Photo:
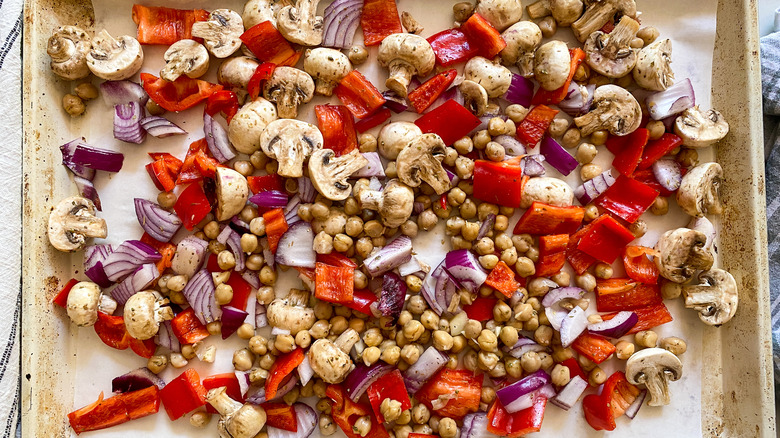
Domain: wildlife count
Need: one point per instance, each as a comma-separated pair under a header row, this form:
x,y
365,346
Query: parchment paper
x,y
690,25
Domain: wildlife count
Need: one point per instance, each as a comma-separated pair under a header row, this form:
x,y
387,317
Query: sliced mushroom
x,y
653,70
475,98
291,312
221,33
144,311
610,54
329,173
232,193
114,59
410,24
522,39
547,190
654,368
597,14
564,12
500,13
698,192
552,64
72,222
300,24
236,72
614,109
395,136
289,88
327,67
682,252
246,129
85,299
421,161
699,129
68,48
236,420
330,360
705,226
494,78
394,203
258,11
405,55
185,57
715,297
290,142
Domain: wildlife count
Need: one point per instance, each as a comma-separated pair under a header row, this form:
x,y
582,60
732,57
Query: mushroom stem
x,y
346,340
621,36
370,199
60,48
400,75
658,390
89,226
220,401
539,9
108,305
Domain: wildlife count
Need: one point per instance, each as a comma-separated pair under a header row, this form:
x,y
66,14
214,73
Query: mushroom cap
x,y
289,88
114,59
290,142
699,129
258,11
522,39
681,252
421,161
698,192
715,297
653,70
330,174
394,203
246,129
83,302
405,55
236,72
68,48
232,193
246,422
654,367
221,32
566,12
329,362
547,190
610,54
613,109
475,97
327,67
185,57
494,78
72,221
291,312
598,13
500,13
394,136
140,316
300,24
552,63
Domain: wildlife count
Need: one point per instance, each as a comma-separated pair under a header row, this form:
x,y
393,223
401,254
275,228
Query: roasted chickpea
x,y
548,26
589,171
603,271
243,359
598,138
357,55
586,282
674,345
462,12
558,127
516,112
571,138
648,34
656,129
73,105
597,376
646,338
586,152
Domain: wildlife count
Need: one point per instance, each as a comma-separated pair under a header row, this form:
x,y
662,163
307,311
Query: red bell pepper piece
x,y
161,176
649,317
61,299
481,308
336,259
379,20
552,254
334,284
241,291
656,149
452,46
373,120
229,381
638,266
275,227
262,74
423,96
548,219
555,97
180,94
281,416
501,422
464,384
268,44
390,386
192,206
115,410
628,150
616,396
498,182
337,127
627,198
174,164
225,102
483,35
574,368
189,171
617,294
282,367
183,394
187,328
345,412
647,178
359,94
502,279
166,249
578,260
165,26
605,239
531,130
144,349
450,120
265,183
361,301
111,330
594,347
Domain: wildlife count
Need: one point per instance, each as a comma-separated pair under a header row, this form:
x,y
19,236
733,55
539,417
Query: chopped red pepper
x,y
379,20
574,368
531,130
174,164
617,294
616,396
166,249
373,120
594,347
161,175
450,120
502,279
241,291
423,96
275,227
165,26
283,366
605,239
578,260
187,328
464,385
144,348
481,308
180,94
61,299
190,170
452,46
649,317
265,183
647,178
262,74
111,330
656,149
225,102
555,97
501,422
390,386
334,284
483,35
183,394
548,219
268,44
336,259
361,301
115,410
498,182
281,416
229,381
192,206
337,127
345,412
638,266
628,150
359,94
552,254
627,198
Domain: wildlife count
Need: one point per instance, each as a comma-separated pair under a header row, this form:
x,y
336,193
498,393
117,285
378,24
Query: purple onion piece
x,y
532,165
77,155
521,91
570,394
306,190
217,139
373,168
161,127
88,190
127,122
296,247
158,222
139,378
358,381
429,363
270,199
668,172
232,319
165,337
199,292
487,226
121,92
674,100
557,156
593,188
127,258
391,303
512,146
391,256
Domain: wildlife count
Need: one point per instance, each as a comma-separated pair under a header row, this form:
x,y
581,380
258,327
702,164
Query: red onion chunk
x,y
165,337
232,319
238,225
127,122
88,190
429,363
199,292
291,211
573,325
615,327
395,103
137,379
513,396
431,285
121,92
94,256
307,419
475,426
668,173
258,396
358,381
634,408
78,170
252,278
512,146
578,99
373,168
570,394
83,155
393,295
524,345
158,222
558,294
306,190
270,199
134,283
413,266
521,91
674,100
532,165
127,258
340,23
296,247
234,243
391,256
217,139
305,371
593,188
261,320
487,226
704,225
557,156
160,127
462,265
555,315
243,381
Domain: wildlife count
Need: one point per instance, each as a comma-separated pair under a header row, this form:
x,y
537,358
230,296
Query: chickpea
x,y
509,336
257,226
586,282
624,350
638,228
487,340
598,138
571,137
560,375
487,361
468,210
86,91
548,26
470,360
427,220
342,243
413,330
589,171
323,406
543,335
688,157
656,129
226,260
357,55
674,345
157,363
450,155
326,425
530,362
442,213
420,414
533,254
166,199
516,113
409,228
245,331
258,345
464,145
367,143
586,152
603,271
371,355
323,243
660,206
267,276
320,329
360,280
391,355
464,167
177,283
648,34
502,312
338,324
364,246
532,324
243,359
402,431
177,298
562,278
636,43
442,340
303,339
472,329
671,290
414,284
73,105
646,339
258,159
494,151
558,127
488,261
292,396
362,425
248,213
585,363
597,376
